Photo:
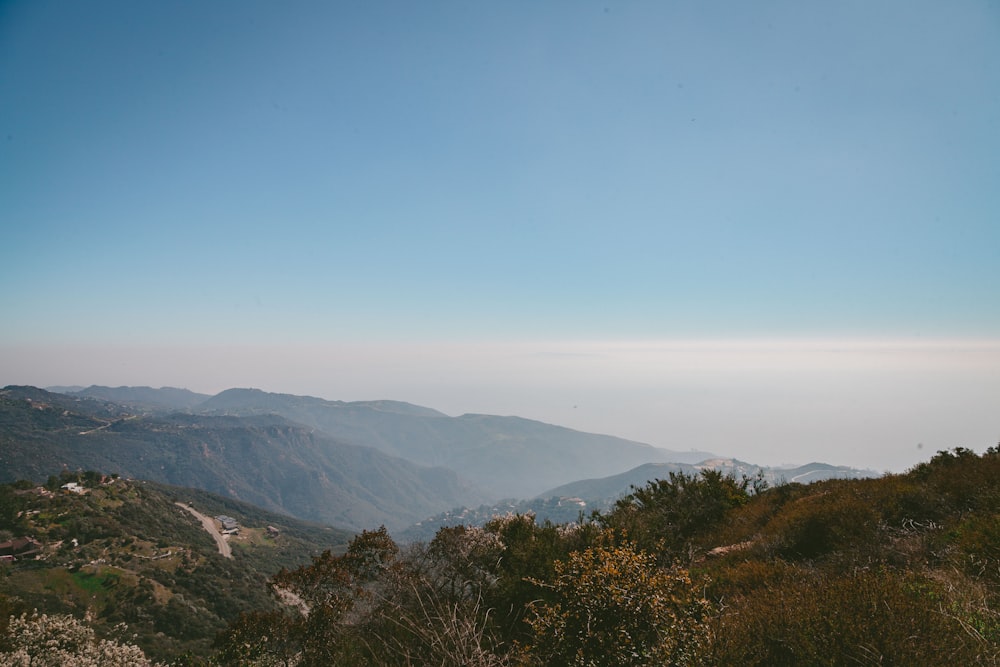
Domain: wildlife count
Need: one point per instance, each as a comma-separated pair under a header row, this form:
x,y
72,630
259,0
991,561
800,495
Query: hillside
x,y
264,459
900,569
694,569
122,551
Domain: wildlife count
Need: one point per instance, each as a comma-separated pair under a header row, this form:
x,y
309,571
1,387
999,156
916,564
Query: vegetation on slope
x,y
122,552
704,569
697,568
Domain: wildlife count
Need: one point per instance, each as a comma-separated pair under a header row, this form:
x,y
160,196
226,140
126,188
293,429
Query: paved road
x,y
209,524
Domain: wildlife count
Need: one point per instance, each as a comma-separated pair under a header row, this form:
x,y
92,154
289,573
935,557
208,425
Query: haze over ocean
x,y
770,230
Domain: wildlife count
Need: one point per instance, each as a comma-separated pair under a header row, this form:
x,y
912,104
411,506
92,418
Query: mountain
x,y
255,401
503,456
146,399
65,389
262,459
122,551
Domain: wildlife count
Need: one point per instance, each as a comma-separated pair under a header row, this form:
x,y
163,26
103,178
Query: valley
x,y
104,520
353,465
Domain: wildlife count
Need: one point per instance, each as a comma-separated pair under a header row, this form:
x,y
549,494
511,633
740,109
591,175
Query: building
x,y
19,548
229,524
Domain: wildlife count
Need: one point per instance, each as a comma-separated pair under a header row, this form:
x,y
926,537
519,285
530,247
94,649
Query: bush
x,y
824,524
63,641
866,617
614,606
663,516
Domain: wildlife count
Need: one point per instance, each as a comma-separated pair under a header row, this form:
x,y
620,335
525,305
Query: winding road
x,y
209,524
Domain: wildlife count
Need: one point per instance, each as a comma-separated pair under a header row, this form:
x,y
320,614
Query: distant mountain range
x,y
352,464
142,398
566,503
503,456
263,459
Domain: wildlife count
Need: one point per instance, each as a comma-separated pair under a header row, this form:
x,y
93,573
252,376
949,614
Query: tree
x,y
430,608
333,592
663,516
261,639
614,606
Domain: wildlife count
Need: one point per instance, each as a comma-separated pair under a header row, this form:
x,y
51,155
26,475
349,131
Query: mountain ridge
x,y
264,459
503,455
356,464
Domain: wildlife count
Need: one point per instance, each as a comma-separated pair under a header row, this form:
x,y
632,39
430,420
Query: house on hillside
x,y
19,548
73,487
229,524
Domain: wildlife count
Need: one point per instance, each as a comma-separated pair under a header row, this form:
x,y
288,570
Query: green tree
x,y
333,593
527,551
260,639
663,516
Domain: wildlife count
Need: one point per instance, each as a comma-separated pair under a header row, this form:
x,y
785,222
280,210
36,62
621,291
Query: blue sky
x,y
283,184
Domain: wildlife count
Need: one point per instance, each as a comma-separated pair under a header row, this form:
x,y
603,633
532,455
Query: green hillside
x,y
124,552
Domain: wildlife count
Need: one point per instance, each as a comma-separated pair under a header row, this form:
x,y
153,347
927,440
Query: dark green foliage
x,y
330,588
259,635
665,515
528,552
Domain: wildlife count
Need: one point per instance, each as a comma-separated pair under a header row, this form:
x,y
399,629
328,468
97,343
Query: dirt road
x,y
209,524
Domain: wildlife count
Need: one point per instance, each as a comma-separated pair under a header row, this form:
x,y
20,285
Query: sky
x,y
769,230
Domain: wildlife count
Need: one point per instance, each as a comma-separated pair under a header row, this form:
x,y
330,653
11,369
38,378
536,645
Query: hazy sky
x,y
769,229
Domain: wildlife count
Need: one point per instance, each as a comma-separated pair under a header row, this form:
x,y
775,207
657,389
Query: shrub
x,y
824,524
663,516
865,617
62,641
614,606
